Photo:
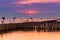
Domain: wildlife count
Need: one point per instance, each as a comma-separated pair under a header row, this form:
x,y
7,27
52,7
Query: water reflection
x,y
31,35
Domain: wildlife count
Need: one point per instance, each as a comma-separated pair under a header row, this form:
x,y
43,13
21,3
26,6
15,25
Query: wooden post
x,y
14,19
3,18
31,19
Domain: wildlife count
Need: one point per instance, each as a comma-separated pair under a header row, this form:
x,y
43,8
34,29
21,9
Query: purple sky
x,y
27,8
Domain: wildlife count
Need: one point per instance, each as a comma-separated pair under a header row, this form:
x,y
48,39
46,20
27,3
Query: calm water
x,y
18,35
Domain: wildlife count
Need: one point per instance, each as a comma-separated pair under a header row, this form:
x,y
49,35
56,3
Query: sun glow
x,y
31,12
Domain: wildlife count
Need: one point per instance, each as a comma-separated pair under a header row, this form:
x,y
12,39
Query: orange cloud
x,y
34,1
34,11
29,12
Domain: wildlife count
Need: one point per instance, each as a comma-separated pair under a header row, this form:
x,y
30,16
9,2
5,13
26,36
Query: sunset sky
x,y
28,8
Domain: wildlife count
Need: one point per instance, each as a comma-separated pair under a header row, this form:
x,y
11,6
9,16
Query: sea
x,y
30,35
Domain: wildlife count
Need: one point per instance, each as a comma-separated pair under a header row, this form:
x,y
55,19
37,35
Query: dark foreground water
x,y
33,35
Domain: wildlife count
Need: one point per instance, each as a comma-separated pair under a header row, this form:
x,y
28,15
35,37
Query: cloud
x,y
30,7
29,12
36,8
34,11
3,5
34,1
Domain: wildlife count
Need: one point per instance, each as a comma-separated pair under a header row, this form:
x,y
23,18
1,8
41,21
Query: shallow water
x,y
19,35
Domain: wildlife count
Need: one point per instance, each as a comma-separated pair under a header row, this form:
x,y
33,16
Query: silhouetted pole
x,y
14,19
31,19
3,18
27,20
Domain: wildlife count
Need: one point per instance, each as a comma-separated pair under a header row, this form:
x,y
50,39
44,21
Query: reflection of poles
x,y
14,19
3,18
35,28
